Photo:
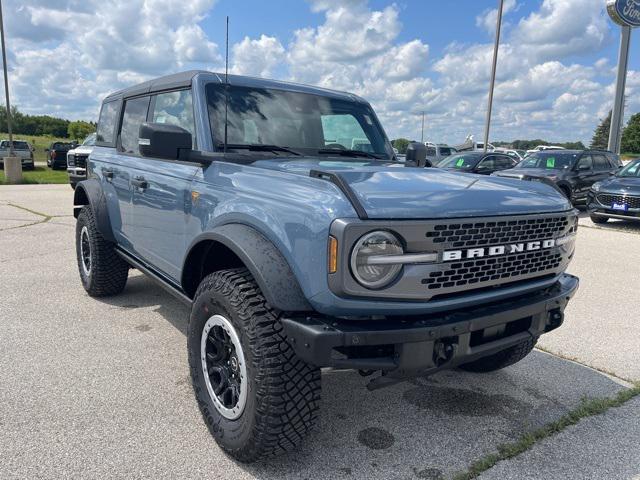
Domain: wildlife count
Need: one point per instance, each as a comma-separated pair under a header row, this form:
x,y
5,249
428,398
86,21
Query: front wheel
x,y
503,358
256,396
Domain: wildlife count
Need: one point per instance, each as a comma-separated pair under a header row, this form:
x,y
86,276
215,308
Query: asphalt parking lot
x,y
99,388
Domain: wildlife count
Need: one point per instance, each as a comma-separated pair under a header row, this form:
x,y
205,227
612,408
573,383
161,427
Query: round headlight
x,y
366,270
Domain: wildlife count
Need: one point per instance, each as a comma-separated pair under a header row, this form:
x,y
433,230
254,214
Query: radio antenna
x,y
226,87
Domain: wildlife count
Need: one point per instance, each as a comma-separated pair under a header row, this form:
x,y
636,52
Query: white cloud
x,y
487,20
257,57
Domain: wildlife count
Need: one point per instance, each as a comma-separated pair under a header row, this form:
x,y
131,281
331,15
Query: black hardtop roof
x,y
184,79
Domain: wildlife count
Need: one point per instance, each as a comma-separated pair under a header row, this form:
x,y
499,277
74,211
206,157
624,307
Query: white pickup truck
x,y
21,149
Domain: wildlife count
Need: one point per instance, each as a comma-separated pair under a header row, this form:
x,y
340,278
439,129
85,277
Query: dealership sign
x,y
624,12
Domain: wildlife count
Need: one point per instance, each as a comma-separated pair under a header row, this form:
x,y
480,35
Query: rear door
x,y
162,190
584,175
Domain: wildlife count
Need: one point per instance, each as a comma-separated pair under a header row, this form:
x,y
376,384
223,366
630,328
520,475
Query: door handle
x,y
139,182
107,173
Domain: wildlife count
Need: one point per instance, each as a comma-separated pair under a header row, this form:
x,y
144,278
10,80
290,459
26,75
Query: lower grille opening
x,y
493,288
490,334
365,351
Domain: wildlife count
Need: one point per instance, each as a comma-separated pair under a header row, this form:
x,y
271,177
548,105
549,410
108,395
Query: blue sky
x,y
555,72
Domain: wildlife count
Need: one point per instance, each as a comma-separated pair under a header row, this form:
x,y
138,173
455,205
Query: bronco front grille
x,y
608,200
483,270
497,232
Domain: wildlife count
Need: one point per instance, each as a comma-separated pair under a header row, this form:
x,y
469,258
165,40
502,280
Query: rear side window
x,y
600,163
135,113
175,108
107,123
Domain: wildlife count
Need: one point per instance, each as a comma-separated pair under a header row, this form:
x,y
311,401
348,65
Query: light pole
x,y
12,165
6,82
493,75
625,13
422,130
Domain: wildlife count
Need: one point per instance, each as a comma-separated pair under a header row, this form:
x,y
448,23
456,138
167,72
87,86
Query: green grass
x,y
40,175
629,156
587,408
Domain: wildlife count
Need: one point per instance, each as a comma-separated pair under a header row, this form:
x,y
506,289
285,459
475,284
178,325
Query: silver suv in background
x,y
77,160
21,149
436,152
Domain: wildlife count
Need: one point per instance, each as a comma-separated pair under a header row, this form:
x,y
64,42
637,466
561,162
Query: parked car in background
x,y
617,196
478,162
21,149
542,148
77,160
57,154
438,151
572,171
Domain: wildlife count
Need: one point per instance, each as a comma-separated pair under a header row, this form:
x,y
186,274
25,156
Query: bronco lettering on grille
x,y
497,250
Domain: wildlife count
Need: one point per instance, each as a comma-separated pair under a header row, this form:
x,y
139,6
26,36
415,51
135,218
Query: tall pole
x,y
617,115
493,75
422,131
6,82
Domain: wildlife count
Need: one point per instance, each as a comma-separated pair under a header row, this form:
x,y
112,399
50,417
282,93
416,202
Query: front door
x,y
162,192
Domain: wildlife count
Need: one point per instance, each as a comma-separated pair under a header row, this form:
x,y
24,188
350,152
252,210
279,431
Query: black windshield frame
x,y
300,119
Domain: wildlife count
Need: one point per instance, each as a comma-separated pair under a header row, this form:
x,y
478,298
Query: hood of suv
x,y
394,191
531,173
621,185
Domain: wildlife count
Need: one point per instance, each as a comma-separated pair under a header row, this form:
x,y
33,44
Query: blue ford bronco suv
x,y
278,213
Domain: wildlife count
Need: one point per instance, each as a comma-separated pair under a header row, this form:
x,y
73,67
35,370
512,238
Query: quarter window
x,y
107,122
135,113
175,108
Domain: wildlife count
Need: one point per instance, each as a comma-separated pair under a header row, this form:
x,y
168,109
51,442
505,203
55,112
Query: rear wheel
x,y
256,396
598,219
102,271
501,359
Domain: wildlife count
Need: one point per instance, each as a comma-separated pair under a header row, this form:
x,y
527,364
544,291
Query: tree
x,y
631,135
600,138
80,129
401,144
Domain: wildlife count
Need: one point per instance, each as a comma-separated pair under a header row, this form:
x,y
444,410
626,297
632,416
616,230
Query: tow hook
x,y
443,351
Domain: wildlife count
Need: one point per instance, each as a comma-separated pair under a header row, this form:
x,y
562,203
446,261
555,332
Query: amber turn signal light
x,y
332,256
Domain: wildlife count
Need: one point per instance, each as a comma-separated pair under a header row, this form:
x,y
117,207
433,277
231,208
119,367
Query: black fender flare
x,y
268,266
90,192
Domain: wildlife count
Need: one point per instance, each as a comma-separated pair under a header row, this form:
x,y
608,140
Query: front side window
x,y
301,121
175,108
585,163
107,122
135,113
503,163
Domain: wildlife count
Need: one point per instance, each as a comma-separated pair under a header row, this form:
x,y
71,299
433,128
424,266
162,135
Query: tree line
x,y
630,142
24,124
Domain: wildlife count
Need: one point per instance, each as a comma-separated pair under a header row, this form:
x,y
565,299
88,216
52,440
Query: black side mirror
x,y
417,155
162,140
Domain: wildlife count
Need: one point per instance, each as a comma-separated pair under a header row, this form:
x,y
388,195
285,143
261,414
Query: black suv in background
x,y
478,162
572,171
57,154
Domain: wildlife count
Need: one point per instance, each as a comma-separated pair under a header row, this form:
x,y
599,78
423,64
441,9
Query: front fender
x,y
265,262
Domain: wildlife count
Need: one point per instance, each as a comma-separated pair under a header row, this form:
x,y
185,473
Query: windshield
x,y
549,160
17,145
631,170
90,141
299,121
460,161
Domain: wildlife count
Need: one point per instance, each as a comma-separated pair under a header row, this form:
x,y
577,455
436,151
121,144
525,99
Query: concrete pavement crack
x,y
45,217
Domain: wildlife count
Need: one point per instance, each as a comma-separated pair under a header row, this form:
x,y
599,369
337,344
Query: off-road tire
x,y
108,272
283,398
501,359
598,219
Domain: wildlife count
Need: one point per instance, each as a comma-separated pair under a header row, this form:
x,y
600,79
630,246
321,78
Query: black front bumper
x,y
405,345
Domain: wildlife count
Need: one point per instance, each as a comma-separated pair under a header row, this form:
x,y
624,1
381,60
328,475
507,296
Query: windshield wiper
x,y
257,147
347,153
